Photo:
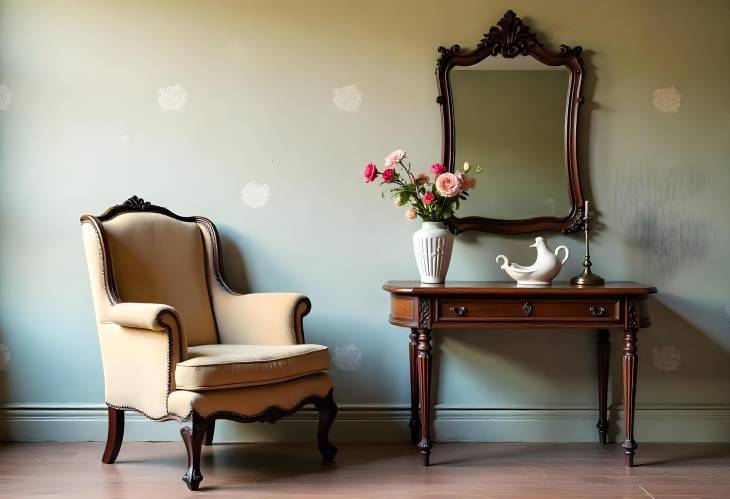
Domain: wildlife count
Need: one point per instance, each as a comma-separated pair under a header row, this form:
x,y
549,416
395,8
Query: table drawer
x,y
542,309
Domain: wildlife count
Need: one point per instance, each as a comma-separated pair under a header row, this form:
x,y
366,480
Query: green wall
x,y
84,129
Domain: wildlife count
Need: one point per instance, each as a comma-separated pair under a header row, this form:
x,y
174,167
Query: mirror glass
x,y
509,119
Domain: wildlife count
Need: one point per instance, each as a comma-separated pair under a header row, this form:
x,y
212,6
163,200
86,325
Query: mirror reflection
x,y
509,119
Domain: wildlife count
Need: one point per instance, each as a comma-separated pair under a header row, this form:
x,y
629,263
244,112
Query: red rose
x,y
388,174
438,168
371,172
428,198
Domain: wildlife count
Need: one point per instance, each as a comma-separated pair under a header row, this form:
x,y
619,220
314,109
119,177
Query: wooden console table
x,y
502,305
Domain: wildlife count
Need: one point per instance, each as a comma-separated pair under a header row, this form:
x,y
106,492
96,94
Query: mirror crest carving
x,y
511,38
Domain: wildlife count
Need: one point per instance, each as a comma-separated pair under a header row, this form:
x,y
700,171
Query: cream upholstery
x,y
215,367
273,318
249,401
158,259
174,337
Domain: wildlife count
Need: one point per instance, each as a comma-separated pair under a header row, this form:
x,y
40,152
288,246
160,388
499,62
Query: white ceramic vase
x,y
432,245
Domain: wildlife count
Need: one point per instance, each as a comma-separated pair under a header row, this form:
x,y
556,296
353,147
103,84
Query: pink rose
x,y
428,198
411,214
438,168
396,201
388,174
370,173
447,184
394,158
421,178
466,182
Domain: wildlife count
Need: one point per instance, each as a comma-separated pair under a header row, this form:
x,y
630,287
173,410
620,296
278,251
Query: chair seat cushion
x,y
216,367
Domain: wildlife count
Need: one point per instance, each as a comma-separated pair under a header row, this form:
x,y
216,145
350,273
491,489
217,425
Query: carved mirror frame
x,y
511,38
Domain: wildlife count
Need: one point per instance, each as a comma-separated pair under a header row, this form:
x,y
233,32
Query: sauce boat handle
x,y
567,253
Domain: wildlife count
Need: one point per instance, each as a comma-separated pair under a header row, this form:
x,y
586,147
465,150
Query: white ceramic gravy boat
x,y
547,266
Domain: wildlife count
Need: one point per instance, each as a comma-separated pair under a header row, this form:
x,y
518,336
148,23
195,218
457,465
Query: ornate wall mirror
x,y
511,107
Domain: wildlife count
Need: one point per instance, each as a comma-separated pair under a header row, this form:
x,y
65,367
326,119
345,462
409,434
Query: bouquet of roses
x,y
433,199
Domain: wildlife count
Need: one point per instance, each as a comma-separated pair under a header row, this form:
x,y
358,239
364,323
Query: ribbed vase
x,y
432,245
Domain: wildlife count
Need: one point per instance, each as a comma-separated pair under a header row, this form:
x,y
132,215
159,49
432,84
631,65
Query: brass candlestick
x,y
587,278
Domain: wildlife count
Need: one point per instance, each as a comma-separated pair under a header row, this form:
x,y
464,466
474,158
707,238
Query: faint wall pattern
x,y
649,211
6,97
347,357
667,100
172,97
666,357
4,357
347,98
255,194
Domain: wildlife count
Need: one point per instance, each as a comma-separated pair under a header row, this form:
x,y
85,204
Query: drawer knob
x,y
598,311
527,309
458,311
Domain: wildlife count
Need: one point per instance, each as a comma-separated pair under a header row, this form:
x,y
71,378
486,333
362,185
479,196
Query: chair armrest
x,y
140,315
262,318
141,344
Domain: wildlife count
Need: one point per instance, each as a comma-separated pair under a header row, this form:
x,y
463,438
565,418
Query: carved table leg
x,y
415,423
327,413
115,435
424,390
603,348
209,432
630,364
193,433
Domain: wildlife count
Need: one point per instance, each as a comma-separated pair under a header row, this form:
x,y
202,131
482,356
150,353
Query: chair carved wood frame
x,y
195,429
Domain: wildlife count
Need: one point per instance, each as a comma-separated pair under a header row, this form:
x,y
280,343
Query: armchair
x,y
178,344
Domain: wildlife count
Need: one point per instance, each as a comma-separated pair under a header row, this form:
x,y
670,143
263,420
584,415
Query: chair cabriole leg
x,y
193,434
115,435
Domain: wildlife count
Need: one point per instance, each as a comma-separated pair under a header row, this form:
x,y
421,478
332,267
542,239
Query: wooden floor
x,y
368,470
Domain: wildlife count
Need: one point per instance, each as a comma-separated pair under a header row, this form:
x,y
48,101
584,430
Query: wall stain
x,y
647,202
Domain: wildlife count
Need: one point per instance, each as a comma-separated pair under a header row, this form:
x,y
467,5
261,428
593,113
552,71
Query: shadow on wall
x,y
233,263
677,362
534,367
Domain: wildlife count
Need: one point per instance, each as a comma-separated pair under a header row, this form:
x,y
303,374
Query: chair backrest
x,y
158,257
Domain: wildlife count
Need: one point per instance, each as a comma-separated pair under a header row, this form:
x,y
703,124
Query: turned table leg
x,y
603,348
424,390
415,423
630,363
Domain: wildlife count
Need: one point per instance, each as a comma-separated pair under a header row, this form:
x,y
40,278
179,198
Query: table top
x,y
511,288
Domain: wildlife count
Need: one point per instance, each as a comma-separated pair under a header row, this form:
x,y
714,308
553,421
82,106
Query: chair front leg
x,y
327,413
193,434
114,436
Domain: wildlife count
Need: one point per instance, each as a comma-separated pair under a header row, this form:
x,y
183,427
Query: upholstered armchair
x,y
178,344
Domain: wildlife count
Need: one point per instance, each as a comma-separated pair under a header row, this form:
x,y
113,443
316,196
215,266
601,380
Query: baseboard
x,y
386,423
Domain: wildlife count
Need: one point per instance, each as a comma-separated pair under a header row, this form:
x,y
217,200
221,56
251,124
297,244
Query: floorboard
x,y
368,470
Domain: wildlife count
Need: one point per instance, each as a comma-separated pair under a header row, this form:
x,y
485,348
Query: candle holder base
x,y
587,278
